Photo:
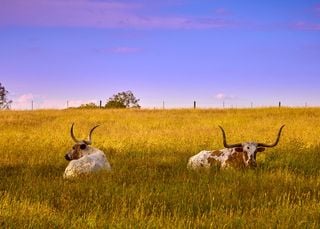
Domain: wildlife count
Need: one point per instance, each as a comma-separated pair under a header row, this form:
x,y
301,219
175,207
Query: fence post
x,y
279,104
194,104
100,105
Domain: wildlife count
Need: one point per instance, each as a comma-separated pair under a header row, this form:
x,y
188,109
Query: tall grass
x,y
150,186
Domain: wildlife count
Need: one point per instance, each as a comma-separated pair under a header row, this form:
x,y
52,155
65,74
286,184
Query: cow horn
x,y
72,135
276,142
225,140
89,141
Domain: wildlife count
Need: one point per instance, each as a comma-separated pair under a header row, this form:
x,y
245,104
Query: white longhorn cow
x,y
84,158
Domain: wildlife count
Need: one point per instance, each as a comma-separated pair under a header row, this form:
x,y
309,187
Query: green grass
x,y
150,186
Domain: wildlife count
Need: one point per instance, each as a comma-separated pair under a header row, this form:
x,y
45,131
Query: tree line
x,y
125,99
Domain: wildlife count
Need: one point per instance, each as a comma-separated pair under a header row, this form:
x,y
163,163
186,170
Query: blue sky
x,y
175,51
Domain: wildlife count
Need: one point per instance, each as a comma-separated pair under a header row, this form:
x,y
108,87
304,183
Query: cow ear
x,y
261,149
238,149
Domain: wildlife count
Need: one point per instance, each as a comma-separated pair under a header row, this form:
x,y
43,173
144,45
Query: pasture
x,y
150,186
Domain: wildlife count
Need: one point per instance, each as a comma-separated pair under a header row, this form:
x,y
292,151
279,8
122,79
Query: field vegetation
x,y
150,186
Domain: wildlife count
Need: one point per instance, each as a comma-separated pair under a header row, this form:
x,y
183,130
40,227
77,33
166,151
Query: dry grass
x,y
150,186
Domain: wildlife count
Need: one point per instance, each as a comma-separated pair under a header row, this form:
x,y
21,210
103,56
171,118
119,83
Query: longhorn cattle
x,y
84,158
240,155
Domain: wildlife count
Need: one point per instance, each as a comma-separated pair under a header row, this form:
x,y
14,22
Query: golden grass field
x,y
150,186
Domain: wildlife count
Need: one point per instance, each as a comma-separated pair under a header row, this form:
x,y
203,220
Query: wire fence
x,y
68,104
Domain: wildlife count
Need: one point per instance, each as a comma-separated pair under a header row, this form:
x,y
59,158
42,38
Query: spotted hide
x,y
241,155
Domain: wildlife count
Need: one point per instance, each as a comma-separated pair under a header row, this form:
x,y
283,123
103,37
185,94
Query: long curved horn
x,y
72,134
89,141
225,140
276,142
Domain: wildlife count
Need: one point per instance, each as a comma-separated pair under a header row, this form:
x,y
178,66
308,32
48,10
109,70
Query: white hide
x,y
93,162
201,160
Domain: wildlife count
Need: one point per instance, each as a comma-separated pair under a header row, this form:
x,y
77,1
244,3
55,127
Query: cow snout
x,y
67,157
252,164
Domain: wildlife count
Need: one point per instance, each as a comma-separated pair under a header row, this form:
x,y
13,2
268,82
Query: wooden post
x,y
100,105
279,104
194,104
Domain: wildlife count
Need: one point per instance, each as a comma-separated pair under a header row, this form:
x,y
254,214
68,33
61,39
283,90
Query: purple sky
x,y
175,51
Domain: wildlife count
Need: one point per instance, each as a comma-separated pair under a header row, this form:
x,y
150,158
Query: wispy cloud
x,y
26,101
221,11
223,96
22,101
118,50
97,14
302,25
125,50
308,25
316,9
25,98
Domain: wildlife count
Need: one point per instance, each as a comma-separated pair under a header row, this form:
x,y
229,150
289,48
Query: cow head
x,y
81,147
249,150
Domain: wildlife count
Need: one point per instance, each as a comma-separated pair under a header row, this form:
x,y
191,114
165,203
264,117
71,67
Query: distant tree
x,y
88,105
114,104
124,99
4,102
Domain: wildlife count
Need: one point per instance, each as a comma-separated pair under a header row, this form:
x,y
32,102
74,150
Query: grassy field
x,y
150,186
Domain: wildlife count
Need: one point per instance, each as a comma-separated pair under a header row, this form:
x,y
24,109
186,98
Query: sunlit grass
x,y
150,185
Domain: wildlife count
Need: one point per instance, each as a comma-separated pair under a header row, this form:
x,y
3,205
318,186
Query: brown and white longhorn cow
x,y
241,155
84,158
